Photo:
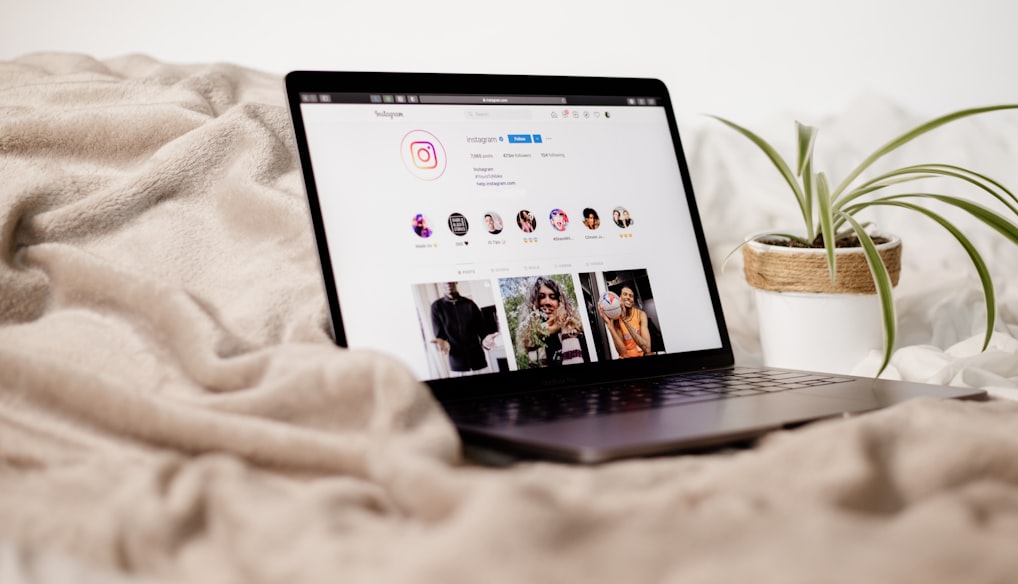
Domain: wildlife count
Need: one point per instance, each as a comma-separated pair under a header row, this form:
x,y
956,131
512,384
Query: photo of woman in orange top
x,y
629,331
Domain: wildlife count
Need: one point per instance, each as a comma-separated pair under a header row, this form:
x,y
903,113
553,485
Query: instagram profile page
x,y
418,200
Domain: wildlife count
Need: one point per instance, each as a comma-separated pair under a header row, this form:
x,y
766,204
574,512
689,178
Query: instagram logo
x,y
423,155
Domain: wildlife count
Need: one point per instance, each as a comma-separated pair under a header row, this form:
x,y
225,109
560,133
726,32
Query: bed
x,y
172,408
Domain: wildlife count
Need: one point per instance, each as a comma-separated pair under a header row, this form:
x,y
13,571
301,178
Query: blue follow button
x,y
525,139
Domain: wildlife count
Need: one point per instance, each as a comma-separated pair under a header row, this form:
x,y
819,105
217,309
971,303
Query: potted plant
x,y
842,246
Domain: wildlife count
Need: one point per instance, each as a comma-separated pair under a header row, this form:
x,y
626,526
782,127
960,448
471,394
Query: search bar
x,y
498,114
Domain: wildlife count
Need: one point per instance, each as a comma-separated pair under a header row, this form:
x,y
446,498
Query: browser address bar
x,y
494,99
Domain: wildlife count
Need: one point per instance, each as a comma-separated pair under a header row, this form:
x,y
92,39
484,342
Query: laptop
x,y
530,247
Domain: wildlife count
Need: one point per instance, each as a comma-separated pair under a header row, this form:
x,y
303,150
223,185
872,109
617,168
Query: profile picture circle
x,y
620,215
591,220
493,222
423,154
558,219
526,221
458,224
421,226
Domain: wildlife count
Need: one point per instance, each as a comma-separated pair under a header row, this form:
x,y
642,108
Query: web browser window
x,y
477,234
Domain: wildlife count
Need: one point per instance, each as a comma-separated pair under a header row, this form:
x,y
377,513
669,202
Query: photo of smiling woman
x,y
547,329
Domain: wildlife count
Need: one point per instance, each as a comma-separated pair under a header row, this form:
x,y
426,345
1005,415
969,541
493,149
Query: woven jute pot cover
x,y
780,268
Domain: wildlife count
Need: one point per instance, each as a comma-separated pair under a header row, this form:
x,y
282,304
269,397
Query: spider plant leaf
x,y
882,282
991,218
847,232
827,223
989,181
730,255
878,183
974,255
923,171
775,159
983,182
911,135
809,193
911,172
807,136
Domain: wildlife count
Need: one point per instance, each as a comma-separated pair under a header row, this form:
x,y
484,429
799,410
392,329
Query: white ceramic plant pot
x,y
805,321
817,331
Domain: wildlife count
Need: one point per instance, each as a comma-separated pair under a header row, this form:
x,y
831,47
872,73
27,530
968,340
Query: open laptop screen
x,y
477,233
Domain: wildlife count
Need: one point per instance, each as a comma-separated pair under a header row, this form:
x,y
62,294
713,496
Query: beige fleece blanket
x,y
172,409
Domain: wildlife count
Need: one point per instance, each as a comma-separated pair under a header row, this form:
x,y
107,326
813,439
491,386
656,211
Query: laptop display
x,y
477,233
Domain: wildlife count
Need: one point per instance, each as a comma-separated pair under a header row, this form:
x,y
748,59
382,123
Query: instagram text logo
x,y
423,155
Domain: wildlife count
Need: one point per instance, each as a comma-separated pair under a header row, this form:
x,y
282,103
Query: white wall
x,y
739,58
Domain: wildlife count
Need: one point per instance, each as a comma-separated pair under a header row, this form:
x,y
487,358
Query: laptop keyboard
x,y
644,394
